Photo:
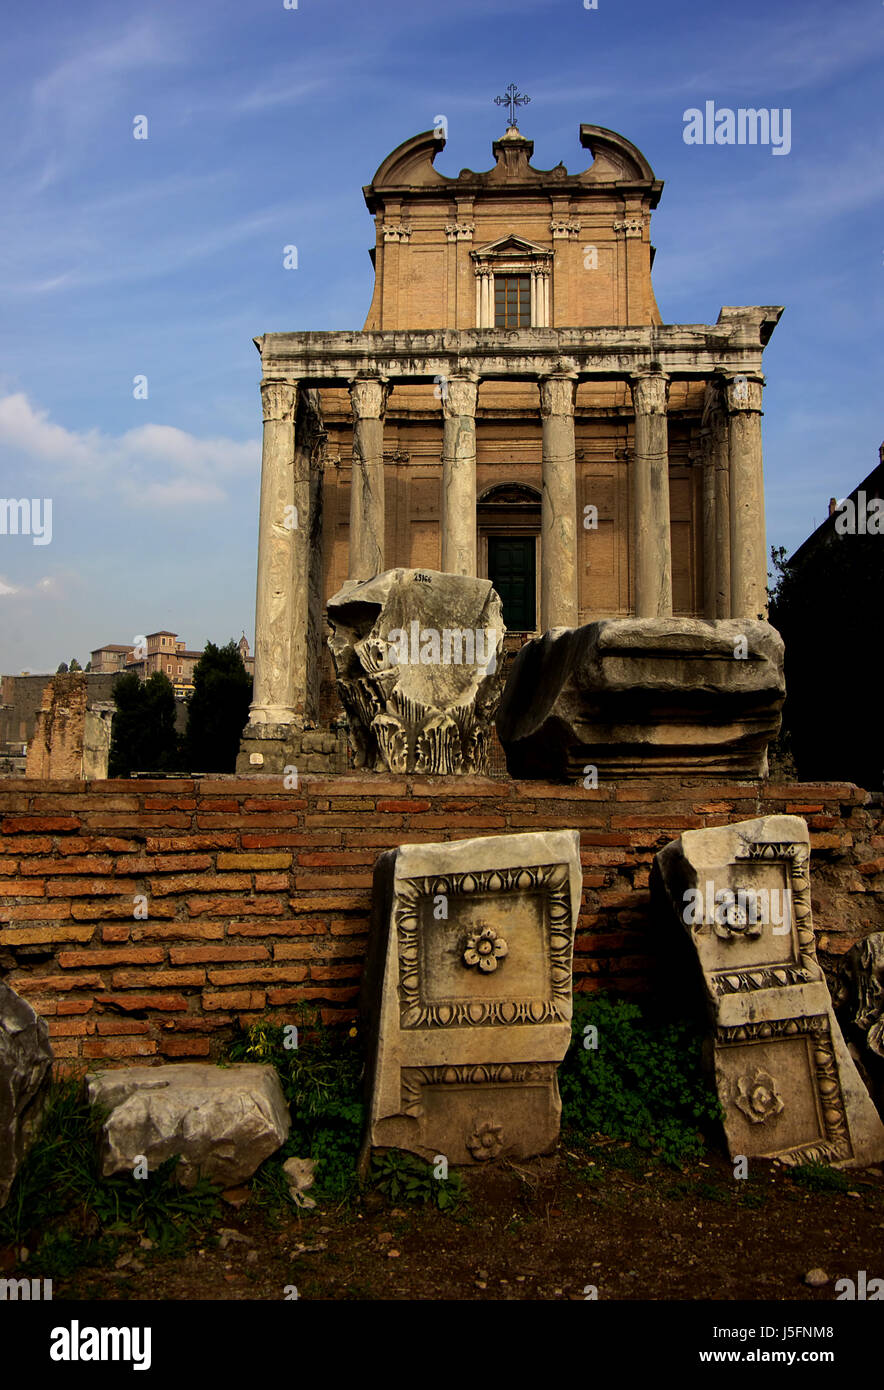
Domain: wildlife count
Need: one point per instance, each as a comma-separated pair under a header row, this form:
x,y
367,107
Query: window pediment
x,y
511,248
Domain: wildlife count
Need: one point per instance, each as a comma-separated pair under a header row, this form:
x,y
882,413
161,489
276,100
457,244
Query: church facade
x,y
513,408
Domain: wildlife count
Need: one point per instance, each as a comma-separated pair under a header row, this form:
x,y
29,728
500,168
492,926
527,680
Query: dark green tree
x,y
61,669
143,737
75,665
217,710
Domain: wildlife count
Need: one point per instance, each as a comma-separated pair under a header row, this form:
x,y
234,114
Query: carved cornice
x,y
564,229
629,227
460,231
396,231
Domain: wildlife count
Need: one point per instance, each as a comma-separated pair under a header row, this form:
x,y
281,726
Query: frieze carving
x,y
630,226
414,1079
396,231
796,858
564,228
816,1027
550,880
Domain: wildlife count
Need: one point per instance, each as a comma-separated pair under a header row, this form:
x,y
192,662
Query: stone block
x,y
467,995
223,1121
25,1060
860,1000
417,658
785,1078
638,697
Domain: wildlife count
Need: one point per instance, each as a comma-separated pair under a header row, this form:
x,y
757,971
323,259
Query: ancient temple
x,y
513,409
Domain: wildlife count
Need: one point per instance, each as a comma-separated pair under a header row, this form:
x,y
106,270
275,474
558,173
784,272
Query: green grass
x,y
643,1082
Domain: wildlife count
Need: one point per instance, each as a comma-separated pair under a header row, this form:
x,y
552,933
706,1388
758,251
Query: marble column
x,y
653,546
710,556
558,541
459,396
747,538
282,532
721,464
368,397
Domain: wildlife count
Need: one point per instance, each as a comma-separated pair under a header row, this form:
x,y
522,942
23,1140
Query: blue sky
x,y
164,257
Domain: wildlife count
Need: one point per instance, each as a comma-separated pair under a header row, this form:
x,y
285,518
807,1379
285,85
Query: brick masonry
x,y
258,898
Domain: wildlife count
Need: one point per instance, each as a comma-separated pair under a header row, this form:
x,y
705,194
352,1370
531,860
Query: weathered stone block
x,y
644,696
223,1121
467,994
25,1060
786,1081
417,659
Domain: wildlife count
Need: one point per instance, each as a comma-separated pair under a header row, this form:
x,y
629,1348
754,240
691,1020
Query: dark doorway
x,y
511,569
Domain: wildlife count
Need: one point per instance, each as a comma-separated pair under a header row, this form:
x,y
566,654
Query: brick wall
x,y
258,898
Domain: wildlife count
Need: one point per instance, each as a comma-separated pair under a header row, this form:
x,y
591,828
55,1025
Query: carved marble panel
x,y
467,994
787,1084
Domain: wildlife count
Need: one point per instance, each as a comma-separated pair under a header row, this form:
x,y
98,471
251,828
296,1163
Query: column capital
x,y
743,392
459,395
557,393
279,400
368,397
650,391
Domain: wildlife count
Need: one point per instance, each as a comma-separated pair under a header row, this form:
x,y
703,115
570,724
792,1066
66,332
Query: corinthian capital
x,y
649,393
459,396
368,397
557,395
279,400
743,393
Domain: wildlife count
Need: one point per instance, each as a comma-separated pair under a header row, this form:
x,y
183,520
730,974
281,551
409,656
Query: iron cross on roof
x,y
512,99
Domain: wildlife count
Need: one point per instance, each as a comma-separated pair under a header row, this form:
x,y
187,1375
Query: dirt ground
x,y
611,1218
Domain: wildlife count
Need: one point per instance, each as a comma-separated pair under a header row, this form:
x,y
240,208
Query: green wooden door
x,y
511,569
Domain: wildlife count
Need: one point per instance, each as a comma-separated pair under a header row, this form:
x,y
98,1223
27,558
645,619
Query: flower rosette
x,y
484,949
757,1097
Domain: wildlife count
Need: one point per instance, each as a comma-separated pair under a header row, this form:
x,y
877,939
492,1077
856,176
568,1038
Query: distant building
x,y
852,517
162,652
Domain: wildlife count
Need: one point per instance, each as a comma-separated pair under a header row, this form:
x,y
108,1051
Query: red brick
x,y
115,931
32,844
278,927
163,844
140,1003
261,907
335,880
254,861
291,839
90,887
56,824
119,1047
22,888
170,803
289,996
409,807
70,1027
166,931
116,1027
72,864
47,984
334,972
33,936
73,1006
147,955
248,821
37,911
332,859
98,844
65,1047
283,802
154,820
201,883
120,907
167,863
156,979
234,999
257,974
303,950
185,1047
872,866
189,955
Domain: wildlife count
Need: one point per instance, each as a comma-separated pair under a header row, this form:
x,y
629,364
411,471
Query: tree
x,y
143,736
61,669
75,665
88,667
217,710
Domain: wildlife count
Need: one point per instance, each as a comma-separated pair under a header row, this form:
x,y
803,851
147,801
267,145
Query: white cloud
x,y
151,465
